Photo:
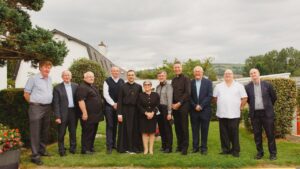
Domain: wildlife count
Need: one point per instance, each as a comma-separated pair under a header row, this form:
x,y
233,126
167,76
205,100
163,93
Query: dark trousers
x,y
88,135
199,126
39,123
260,121
181,122
165,128
229,134
111,119
71,124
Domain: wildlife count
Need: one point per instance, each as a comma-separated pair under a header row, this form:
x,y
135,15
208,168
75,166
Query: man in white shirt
x,y
231,97
111,88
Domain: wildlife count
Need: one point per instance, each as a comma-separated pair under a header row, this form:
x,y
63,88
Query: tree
x,y
188,67
19,41
286,60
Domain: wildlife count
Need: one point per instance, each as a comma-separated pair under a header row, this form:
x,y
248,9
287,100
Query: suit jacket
x,y
204,99
268,96
60,101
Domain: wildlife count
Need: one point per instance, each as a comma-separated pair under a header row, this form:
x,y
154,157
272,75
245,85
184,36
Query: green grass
x,y
288,155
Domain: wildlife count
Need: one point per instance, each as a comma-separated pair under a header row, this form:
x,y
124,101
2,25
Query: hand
x,y
169,117
151,114
58,121
84,117
176,106
198,108
120,118
115,106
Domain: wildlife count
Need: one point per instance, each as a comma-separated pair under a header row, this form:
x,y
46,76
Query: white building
x,y
77,49
3,77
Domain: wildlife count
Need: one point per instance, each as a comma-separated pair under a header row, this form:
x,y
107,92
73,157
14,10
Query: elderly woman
x,y
147,104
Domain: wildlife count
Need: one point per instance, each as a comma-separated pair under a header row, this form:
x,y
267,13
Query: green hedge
x,y
13,113
284,107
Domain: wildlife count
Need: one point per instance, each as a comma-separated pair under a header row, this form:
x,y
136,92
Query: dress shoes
x,y
259,156
167,150
37,161
203,152
224,153
273,157
62,154
87,152
195,151
236,154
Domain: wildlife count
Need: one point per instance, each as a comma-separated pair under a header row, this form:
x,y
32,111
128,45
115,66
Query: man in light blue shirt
x,y
38,92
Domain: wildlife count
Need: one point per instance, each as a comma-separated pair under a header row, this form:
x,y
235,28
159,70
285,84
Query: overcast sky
x,y
141,33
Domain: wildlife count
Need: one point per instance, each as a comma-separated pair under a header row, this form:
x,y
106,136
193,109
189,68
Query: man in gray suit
x,y
38,92
65,110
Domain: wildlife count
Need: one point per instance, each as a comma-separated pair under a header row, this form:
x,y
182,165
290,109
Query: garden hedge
x,y
14,114
284,106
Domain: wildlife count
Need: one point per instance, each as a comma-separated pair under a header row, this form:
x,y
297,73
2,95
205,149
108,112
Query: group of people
x,y
133,112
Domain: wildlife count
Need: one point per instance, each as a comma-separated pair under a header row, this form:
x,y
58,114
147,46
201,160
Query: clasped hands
x,y
149,115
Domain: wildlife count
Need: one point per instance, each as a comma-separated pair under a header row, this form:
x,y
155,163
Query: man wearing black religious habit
x,y
129,135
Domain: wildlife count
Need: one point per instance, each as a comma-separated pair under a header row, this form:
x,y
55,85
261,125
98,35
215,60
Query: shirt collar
x,y
67,84
115,79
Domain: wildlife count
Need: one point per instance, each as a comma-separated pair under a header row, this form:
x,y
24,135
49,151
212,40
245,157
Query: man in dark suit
x,y
261,99
201,95
66,111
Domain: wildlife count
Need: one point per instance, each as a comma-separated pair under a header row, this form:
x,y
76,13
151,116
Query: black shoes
x,y
259,156
224,153
72,151
167,150
195,151
62,154
236,154
273,157
37,161
87,152
178,149
203,152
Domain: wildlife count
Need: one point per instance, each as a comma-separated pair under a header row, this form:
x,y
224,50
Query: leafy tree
x,y
286,60
188,67
19,41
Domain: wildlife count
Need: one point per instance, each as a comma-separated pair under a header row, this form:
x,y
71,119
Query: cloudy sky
x,y
141,33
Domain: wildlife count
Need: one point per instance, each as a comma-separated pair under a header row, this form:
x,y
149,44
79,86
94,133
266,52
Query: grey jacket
x,y
166,95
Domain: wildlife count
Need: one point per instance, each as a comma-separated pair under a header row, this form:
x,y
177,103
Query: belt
x,y
39,104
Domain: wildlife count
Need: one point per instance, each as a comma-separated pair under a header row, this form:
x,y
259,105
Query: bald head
x,y
255,75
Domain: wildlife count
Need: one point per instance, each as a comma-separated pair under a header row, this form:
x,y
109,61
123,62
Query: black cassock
x,y
129,135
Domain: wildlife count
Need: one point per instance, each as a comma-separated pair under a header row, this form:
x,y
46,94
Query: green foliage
x,y
284,106
298,97
13,113
286,60
221,67
188,67
38,42
19,41
81,66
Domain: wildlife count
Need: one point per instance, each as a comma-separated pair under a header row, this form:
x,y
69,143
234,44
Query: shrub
x,y
13,113
79,67
284,106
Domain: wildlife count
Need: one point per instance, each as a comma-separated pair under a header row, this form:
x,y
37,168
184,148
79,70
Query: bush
x,y
284,106
13,113
79,67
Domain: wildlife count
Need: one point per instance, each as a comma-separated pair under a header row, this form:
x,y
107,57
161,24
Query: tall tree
x,y
19,41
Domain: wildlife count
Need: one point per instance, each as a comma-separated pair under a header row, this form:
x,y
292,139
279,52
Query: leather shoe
x,y
273,157
62,154
204,152
224,153
236,154
45,154
259,156
184,152
37,161
195,151
168,150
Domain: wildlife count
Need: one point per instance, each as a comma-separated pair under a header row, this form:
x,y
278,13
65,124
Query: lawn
x,y
288,155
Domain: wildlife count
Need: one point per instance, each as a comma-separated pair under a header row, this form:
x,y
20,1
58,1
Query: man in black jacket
x,y
181,97
261,99
66,112
201,95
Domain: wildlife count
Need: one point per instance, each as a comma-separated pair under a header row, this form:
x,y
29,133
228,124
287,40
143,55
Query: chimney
x,y
102,48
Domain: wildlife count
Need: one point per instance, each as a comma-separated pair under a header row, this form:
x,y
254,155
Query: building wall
x,y
3,78
76,51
